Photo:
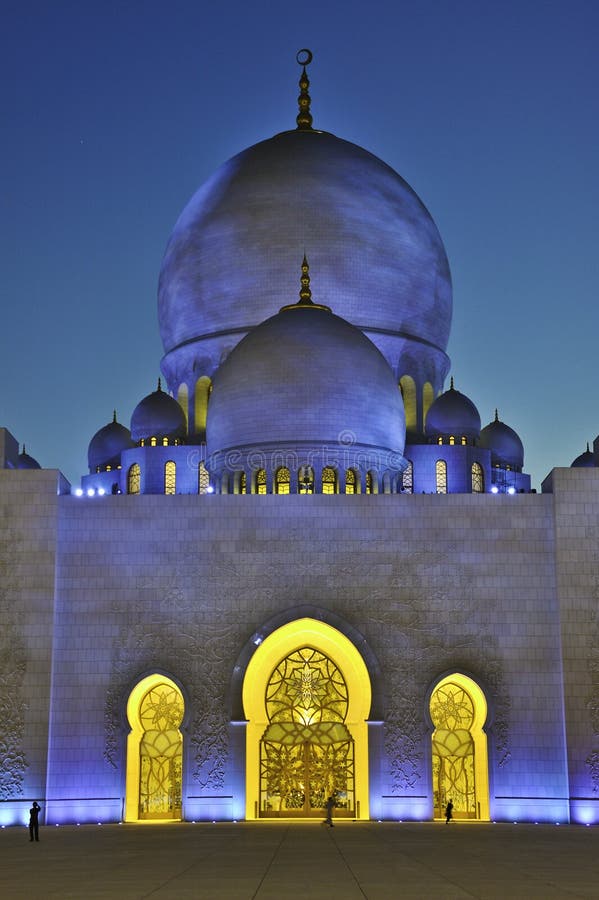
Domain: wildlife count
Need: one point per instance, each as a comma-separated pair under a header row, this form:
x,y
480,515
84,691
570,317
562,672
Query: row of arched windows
x,y
170,478
306,482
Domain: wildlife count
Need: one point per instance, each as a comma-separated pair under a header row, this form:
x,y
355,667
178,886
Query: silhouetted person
x,y
33,821
330,807
448,812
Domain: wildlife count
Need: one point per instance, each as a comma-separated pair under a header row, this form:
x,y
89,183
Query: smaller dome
x,y
107,444
453,414
27,462
586,460
503,442
158,416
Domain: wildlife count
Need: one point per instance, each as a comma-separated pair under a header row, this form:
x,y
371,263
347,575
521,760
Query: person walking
x,y
448,812
330,807
34,830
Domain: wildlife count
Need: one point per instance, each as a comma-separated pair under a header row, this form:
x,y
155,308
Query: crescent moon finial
x,y
304,117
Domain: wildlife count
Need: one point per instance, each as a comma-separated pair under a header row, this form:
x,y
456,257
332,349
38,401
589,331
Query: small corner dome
x,y
158,416
503,442
452,413
107,444
306,378
27,462
586,460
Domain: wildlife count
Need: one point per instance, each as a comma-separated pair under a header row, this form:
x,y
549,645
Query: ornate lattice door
x,y
307,752
452,712
160,713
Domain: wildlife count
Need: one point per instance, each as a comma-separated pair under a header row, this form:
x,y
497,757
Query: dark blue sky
x,y
114,113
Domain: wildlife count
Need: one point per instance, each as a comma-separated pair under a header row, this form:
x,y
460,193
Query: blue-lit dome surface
x,y
27,462
586,460
503,442
158,415
306,378
452,413
107,444
233,253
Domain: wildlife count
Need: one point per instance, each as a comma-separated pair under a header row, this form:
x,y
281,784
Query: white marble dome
x,y
233,253
309,382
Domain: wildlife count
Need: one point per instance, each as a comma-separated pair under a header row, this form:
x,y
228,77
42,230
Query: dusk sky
x,y
115,112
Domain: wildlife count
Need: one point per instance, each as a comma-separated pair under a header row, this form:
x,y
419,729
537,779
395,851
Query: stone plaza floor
x,y
277,860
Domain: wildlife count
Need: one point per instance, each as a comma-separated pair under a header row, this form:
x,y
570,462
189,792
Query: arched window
x,y
451,440
201,396
242,483
203,478
282,480
183,400
478,479
153,442
350,482
260,481
428,395
408,392
305,480
329,480
464,440
441,475
407,479
369,483
170,477
439,440
134,479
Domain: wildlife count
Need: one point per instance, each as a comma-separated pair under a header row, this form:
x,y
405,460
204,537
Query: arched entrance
x,y
458,710
306,697
154,750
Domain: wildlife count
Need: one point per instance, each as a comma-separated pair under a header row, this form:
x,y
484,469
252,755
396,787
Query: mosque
x,y
306,568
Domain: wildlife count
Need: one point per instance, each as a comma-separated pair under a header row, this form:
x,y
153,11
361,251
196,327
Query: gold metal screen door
x,y
452,712
307,752
160,713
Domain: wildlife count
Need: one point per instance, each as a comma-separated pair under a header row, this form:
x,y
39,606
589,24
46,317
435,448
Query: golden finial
x,y
305,292
304,118
305,300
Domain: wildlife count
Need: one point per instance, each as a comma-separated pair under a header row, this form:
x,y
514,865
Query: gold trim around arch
x,y
331,642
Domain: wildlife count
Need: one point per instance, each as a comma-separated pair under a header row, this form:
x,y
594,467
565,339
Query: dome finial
x,y
305,292
304,118
114,416
451,387
159,384
496,415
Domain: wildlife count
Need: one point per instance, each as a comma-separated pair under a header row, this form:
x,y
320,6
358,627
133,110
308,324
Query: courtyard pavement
x,y
278,860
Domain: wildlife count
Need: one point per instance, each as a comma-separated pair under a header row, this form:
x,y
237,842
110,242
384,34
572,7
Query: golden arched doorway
x,y
306,752
458,710
154,750
306,697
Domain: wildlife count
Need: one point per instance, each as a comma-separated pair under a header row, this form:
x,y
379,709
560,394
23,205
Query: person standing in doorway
x,y
34,829
448,812
330,807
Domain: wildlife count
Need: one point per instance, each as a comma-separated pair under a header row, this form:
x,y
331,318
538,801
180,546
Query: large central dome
x,y
232,255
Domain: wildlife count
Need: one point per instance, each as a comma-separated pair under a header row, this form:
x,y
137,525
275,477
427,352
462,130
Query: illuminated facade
x,y
305,568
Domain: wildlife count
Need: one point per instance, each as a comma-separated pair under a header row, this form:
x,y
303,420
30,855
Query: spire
x,y
159,388
114,416
305,292
451,387
496,416
304,117
305,300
